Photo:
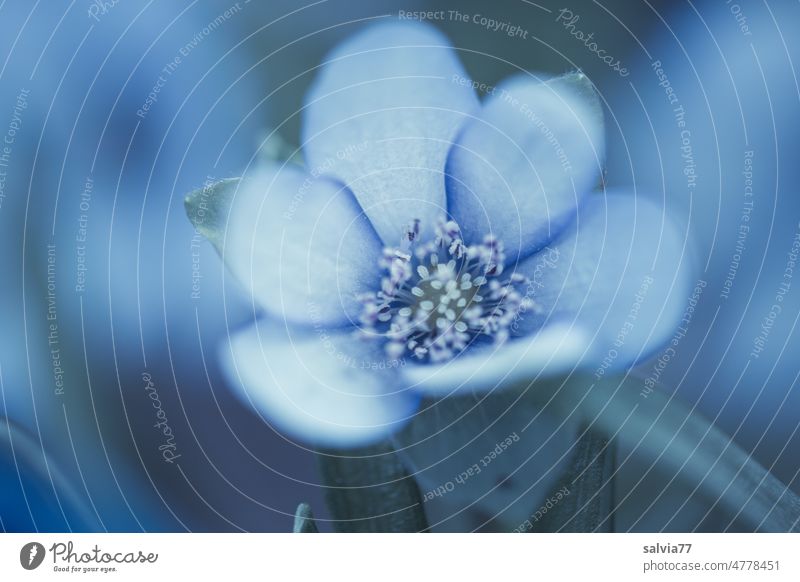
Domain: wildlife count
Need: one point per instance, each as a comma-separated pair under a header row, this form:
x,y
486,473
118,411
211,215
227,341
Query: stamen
x,y
433,312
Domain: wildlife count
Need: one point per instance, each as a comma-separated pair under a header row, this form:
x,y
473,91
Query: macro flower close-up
x,y
429,266
435,241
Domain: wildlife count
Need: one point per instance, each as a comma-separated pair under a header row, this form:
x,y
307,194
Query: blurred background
x,y
110,302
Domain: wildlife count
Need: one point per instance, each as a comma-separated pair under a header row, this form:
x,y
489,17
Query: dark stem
x,y
369,490
588,505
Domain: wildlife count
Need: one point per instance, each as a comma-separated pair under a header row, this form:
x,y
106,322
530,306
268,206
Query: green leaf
x,y
583,86
304,520
369,490
208,208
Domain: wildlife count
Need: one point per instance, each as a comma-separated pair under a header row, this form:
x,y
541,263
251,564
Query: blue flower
x,y
435,243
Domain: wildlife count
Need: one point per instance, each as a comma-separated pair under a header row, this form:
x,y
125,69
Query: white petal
x,y
382,115
621,272
554,349
321,387
302,246
520,168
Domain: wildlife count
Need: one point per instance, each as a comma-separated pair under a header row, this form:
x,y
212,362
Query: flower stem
x,y
588,505
369,490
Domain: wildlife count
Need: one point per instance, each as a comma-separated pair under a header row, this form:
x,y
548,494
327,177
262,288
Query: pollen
x,y
438,297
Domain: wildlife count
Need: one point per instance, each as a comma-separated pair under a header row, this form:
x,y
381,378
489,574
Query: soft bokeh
x,y
109,131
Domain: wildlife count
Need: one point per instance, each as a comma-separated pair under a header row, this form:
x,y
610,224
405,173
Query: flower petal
x,y
520,168
381,117
301,245
621,272
321,387
554,349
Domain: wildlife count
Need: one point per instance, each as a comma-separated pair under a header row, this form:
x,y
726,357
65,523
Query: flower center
x,y
438,297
